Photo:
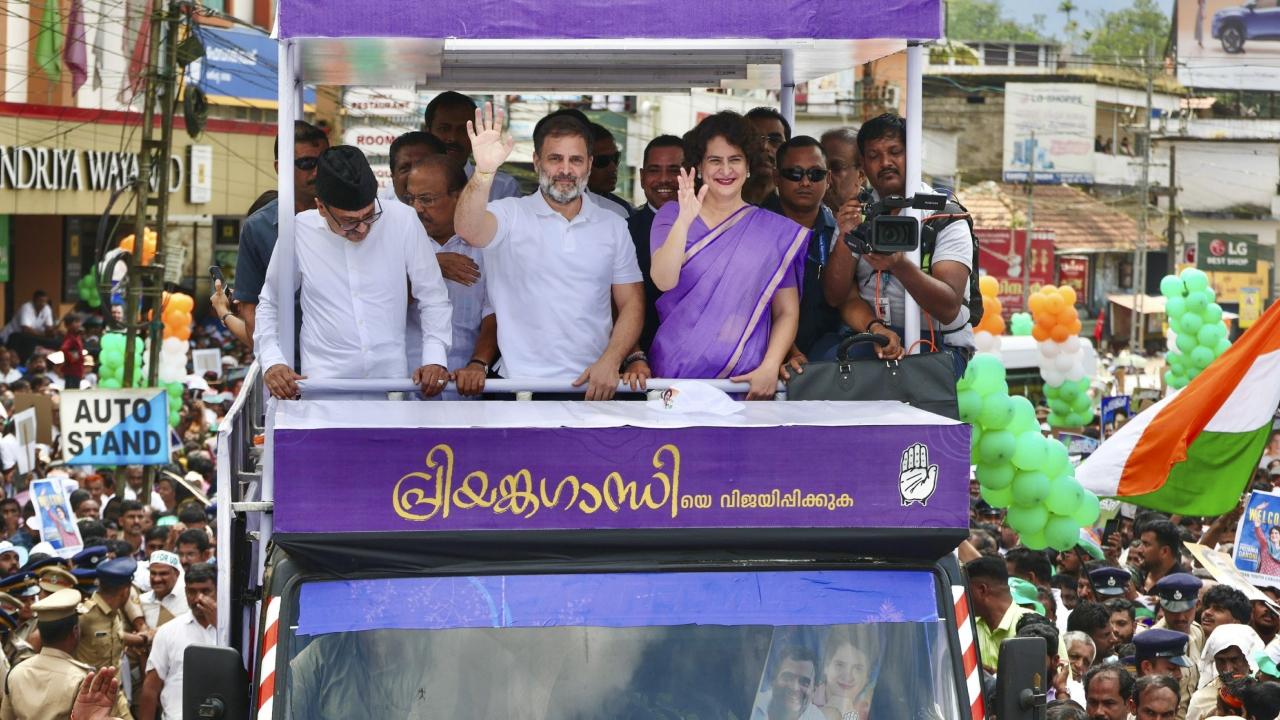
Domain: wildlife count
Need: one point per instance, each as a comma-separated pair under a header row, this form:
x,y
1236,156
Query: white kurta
x,y
354,298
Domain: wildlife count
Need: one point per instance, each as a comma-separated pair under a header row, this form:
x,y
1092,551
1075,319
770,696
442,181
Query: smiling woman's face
x,y
724,168
846,672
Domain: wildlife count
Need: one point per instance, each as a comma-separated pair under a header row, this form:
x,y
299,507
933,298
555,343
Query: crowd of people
x,y
1134,626
104,626
732,268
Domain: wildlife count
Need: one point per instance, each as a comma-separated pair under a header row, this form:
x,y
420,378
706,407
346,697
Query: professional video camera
x,y
883,232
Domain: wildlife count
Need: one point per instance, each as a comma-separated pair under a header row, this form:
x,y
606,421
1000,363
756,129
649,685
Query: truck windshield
x,y
800,645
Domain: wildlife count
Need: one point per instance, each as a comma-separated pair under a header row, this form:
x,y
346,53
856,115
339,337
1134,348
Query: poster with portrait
x,y
55,521
205,361
813,672
1257,544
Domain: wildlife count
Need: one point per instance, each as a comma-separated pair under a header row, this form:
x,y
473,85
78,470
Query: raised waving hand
x,y
490,147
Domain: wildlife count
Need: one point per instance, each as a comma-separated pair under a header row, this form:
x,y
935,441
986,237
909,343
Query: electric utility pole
x,y
1144,199
1031,223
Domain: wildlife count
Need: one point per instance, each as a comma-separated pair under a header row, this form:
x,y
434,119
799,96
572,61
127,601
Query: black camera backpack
x,y
929,241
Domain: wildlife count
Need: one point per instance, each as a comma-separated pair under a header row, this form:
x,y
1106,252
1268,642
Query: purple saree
x,y
715,323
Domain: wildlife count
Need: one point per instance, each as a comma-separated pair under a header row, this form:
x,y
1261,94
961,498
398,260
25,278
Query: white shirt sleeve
x,y
46,318
27,316
955,243
434,309
504,211
626,269
158,659
266,333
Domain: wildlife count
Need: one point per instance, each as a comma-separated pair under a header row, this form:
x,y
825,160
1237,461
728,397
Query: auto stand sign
x,y
115,427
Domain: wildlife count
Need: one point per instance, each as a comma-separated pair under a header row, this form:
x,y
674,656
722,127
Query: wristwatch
x,y
477,361
874,322
223,318
637,356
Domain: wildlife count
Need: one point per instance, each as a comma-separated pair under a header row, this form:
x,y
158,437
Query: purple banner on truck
x,y
337,480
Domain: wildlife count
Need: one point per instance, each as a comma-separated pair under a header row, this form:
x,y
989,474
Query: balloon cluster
x,y
111,362
1195,321
87,289
174,350
1020,324
148,246
1019,468
1062,356
986,334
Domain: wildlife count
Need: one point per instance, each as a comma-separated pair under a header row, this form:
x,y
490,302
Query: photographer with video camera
x,y
878,235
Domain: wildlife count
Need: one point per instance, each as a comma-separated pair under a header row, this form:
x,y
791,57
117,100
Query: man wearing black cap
x,y
103,635
347,253
1161,652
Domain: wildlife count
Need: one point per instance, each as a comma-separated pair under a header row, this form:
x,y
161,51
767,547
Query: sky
x,y
1025,10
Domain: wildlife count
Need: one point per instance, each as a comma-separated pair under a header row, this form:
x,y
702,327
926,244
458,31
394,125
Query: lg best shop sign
x,y
1221,252
115,427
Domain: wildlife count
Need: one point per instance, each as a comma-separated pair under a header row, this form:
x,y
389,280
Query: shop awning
x,y
1151,304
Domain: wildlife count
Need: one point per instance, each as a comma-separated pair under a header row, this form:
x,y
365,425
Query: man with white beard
x,y
557,261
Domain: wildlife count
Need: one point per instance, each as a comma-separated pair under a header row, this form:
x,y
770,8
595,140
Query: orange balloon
x,y
1040,333
1075,327
182,302
988,286
1068,294
1060,333
1067,315
1053,304
999,325
1037,303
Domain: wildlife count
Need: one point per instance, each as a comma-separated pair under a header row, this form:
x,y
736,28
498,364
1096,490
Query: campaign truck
x,y
561,560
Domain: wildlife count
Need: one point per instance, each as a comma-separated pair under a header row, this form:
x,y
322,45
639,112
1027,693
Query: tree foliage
x,y
1126,34
984,20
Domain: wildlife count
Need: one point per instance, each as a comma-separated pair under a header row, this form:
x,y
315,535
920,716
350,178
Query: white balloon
x,y
1071,344
1049,348
173,344
985,342
1075,374
1053,376
1065,362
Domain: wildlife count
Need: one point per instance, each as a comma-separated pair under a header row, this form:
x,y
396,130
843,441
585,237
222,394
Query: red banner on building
x,y
1073,271
1001,256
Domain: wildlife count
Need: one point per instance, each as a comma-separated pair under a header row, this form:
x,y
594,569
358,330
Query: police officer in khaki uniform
x,y
15,650
54,578
21,589
103,634
45,687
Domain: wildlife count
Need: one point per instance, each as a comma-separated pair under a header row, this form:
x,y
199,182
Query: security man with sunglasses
x,y
801,178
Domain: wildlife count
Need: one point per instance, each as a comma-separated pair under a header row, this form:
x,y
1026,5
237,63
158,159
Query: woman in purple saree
x,y
730,272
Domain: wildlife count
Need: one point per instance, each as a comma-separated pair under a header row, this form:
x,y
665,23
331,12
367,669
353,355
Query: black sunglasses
x,y
601,162
306,163
796,174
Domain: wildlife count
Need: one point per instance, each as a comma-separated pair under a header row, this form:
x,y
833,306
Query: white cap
x,y
164,557
43,547
21,552
57,358
691,396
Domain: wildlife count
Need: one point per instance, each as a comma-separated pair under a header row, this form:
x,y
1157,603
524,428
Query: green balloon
x,y
1209,335
1030,488
1061,532
113,341
1081,419
1060,407
1063,496
1212,313
1027,519
1030,451
1196,303
1035,541
970,403
988,373
175,418
1174,380
174,389
1001,498
1174,307
997,447
997,477
1171,286
109,358
1223,346
1086,513
1058,420
109,384
1190,324
1194,279
1175,360
1057,460
1081,403
997,412
1024,416
975,439
1201,357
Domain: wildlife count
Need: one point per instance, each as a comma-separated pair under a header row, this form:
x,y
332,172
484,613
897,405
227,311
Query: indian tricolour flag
x,y
1193,452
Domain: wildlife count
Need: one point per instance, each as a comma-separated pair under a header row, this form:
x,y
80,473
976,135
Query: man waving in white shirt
x,y
352,257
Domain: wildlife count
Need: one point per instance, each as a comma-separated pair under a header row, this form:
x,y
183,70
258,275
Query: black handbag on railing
x,y
926,381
